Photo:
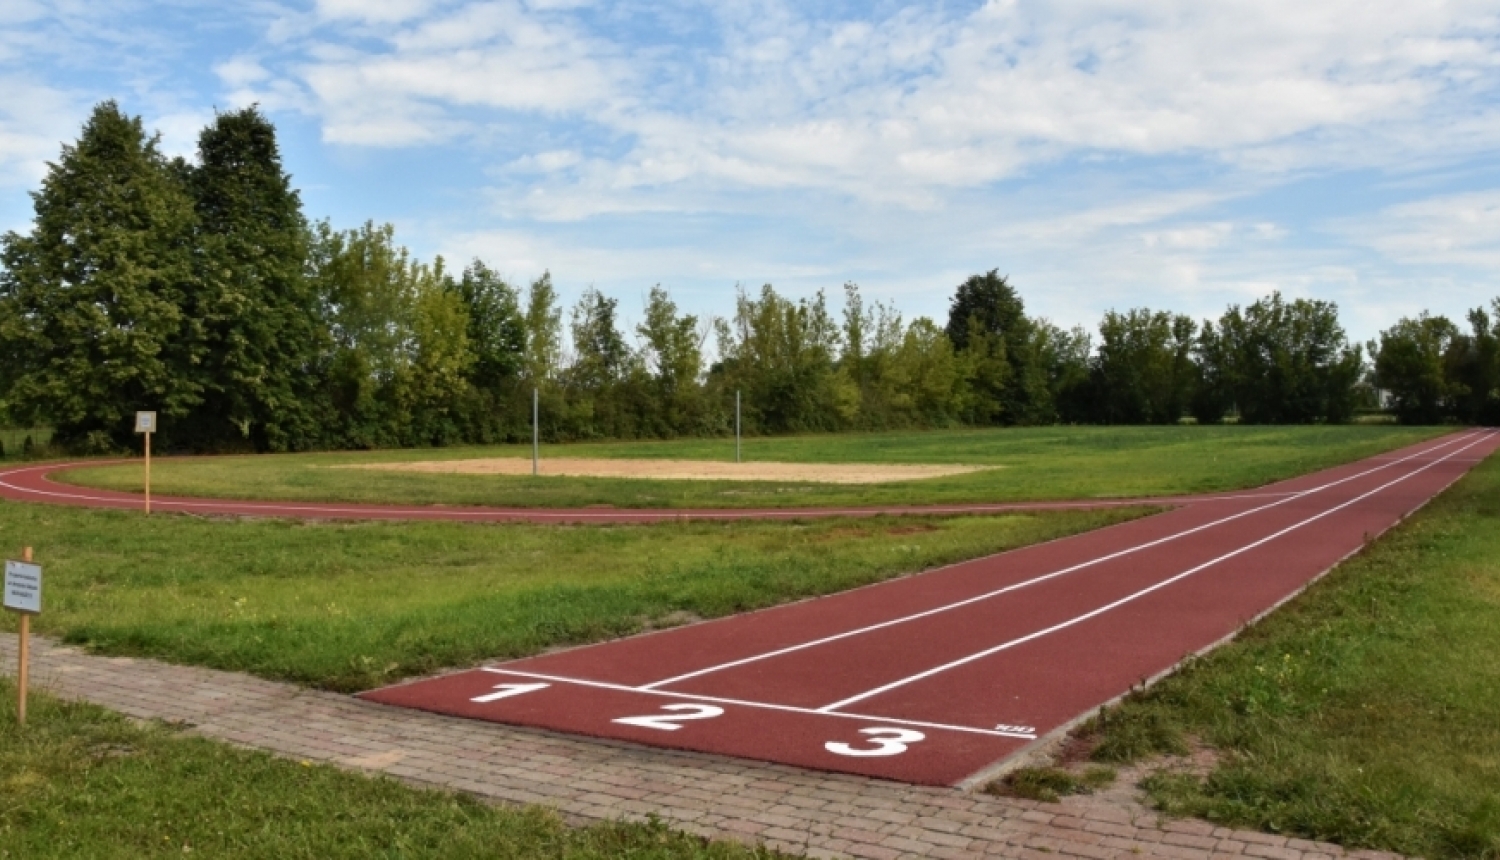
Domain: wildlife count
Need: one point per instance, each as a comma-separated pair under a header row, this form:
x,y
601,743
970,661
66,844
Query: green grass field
x,y
348,606
82,783
1365,712
1031,463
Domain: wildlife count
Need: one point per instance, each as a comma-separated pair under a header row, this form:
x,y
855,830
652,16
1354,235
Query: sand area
x,y
682,470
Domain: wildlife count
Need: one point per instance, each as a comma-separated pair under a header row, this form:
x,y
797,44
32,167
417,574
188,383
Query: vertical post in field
x,y
535,432
736,425
23,667
145,422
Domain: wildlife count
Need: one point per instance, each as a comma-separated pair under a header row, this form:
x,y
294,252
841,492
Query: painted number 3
x,y
886,741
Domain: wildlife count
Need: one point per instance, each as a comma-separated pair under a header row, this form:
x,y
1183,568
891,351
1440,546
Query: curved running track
x,y
932,678
36,484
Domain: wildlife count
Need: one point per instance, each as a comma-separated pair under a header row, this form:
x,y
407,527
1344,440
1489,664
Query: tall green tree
x,y
1473,366
92,326
543,322
781,354
1411,366
986,314
1144,372
366,285
1288,362
497,332
990,300
672,348
264,342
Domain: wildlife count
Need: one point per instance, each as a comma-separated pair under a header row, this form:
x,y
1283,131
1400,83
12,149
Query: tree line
x,y
199,289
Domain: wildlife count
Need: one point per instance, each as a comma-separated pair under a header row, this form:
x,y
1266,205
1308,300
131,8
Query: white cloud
x,y
900,110
373,11
1445,231
35,121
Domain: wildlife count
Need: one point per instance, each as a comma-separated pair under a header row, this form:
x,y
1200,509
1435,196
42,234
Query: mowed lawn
x,y
1028,464
1365,712
348,606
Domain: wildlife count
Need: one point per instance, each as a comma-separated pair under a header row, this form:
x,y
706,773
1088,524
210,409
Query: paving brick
x,y
1189,840
1271,852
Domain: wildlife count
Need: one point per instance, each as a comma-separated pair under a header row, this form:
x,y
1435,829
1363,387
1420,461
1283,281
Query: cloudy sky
x,y
1175,155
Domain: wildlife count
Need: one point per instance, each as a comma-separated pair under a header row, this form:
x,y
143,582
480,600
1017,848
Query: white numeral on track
x,y
669,723
886,741
505,691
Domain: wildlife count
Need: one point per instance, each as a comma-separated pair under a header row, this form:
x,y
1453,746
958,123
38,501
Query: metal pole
x,y
535,433
736,425
148,473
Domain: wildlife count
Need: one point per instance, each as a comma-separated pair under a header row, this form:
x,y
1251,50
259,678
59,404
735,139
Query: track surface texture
x,y
932,678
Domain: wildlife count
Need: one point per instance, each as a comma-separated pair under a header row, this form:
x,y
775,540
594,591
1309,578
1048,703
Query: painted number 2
x,y
670,722
886,741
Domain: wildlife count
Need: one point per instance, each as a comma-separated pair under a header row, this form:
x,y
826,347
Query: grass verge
x,y
1048,784
82,782
1366,712
348,606
1032,463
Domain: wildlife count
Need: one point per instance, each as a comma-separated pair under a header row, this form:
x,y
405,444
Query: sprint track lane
x,y
935,677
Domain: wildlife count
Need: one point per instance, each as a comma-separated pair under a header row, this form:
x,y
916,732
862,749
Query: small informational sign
x,y
23,587
145,422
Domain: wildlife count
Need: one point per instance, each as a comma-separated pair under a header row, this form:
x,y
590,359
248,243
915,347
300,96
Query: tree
x,y
368,288
497,332
986,314
1212,394
1286,362
925,375
434,360
91,321
1410,364
543,321
264,345
781,354
604,376
1144,372
672,349
1472,364
990,300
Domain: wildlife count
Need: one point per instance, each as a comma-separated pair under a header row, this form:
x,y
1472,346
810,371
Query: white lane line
x,y
1128,598
1025,736
791,649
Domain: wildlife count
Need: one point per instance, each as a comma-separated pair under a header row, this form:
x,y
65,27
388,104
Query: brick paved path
x,y
821,815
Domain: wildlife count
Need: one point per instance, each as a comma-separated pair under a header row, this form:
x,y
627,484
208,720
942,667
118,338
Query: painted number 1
x,y
670,722
886,742
505,691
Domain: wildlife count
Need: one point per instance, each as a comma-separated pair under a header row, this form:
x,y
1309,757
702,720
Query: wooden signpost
x,y
145,422
23,595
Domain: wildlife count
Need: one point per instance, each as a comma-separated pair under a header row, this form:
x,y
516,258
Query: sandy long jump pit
x,y
683,470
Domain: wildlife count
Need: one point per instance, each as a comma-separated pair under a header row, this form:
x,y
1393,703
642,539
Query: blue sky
x,y
1172,155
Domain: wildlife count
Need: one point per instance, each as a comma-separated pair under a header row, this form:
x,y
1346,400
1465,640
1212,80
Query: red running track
x,y
935,678
928,679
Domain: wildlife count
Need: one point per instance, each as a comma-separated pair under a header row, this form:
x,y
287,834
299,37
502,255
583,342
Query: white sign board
x,y
145,422
23,586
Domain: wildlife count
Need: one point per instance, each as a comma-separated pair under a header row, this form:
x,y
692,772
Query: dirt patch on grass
x,y
682,470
